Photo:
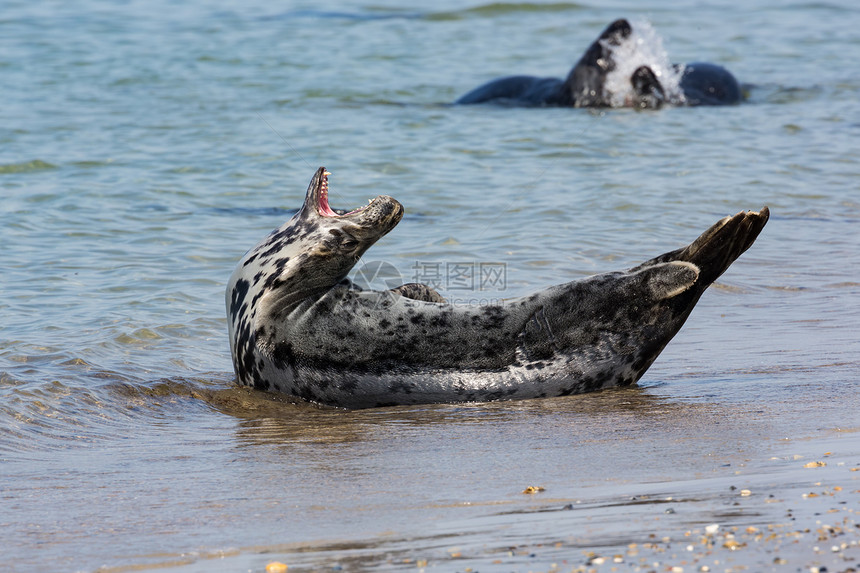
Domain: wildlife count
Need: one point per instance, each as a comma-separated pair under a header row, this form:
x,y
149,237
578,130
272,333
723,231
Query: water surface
x,y
144,147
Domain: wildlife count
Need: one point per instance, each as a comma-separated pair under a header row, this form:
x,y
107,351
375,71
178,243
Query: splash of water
x,y
644,47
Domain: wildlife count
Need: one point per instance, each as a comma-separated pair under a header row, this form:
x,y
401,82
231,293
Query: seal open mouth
x,y
322,205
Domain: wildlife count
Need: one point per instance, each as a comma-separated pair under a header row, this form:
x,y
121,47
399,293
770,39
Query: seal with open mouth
x,y
299,326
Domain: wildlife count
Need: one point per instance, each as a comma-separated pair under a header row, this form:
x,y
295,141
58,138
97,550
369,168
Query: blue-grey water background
x,y
144,146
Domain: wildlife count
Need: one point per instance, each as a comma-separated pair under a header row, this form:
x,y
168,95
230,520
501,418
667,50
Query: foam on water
x,y
644,47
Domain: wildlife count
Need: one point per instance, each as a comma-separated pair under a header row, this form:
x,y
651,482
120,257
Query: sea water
x,y
145,146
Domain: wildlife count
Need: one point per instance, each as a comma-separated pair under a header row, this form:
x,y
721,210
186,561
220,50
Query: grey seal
x,y
586,85
299,326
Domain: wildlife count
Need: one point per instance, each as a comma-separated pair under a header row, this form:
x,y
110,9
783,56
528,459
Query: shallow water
x,y
145,146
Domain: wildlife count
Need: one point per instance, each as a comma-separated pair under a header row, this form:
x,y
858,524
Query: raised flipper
x,y
586,79
612,327
419,291
719,246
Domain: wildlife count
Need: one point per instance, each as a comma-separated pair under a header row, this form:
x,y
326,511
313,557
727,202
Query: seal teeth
x,y
324,208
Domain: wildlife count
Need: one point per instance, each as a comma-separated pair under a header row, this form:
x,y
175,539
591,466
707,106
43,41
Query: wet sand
x,y
662,479
807,522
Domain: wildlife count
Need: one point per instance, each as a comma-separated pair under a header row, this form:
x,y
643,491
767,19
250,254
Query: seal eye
x,y
344,240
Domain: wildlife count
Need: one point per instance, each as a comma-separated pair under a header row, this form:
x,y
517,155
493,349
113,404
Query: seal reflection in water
x,y
298,325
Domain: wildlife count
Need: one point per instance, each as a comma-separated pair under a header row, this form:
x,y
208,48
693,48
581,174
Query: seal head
x,y
333,242
317,247
303,258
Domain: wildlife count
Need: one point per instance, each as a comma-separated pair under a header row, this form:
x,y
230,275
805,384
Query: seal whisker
x,y
293,149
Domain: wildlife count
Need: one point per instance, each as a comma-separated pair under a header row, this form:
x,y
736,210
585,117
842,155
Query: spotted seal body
x,y
589,82
297,325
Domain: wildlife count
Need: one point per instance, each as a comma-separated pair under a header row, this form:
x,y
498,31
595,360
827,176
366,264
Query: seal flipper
x,y
718,247
669,279
419,291
648,89
609,329
585,81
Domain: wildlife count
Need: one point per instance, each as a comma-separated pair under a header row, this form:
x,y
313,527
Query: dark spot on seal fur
x,y
244,361
283,354
251,259
240,291
349,385
273,282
